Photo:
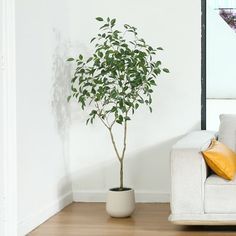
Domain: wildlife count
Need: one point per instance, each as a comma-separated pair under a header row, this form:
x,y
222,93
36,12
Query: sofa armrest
x,y
188,173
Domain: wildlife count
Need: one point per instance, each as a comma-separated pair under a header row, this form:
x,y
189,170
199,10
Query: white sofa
x,y
198,196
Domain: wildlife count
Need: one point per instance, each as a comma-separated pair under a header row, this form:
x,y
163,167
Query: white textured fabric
x,y
220,195
188,173
227,130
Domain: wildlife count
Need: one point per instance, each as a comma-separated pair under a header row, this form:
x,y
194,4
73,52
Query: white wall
x,y
215,107
41,48
1,131
1,159
176,26
8,157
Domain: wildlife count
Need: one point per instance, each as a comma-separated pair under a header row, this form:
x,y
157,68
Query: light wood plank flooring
x,y
86,219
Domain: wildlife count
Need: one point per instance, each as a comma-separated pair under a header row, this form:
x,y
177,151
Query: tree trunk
x,y
121,174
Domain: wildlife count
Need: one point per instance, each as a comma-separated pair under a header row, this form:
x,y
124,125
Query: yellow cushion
x,y
221,159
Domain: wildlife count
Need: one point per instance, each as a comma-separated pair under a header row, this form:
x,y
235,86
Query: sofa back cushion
x,y
227,130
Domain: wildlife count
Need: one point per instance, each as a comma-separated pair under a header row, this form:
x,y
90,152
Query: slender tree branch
x,y
124,141
114,144
123,155
103,121
113,122
99,115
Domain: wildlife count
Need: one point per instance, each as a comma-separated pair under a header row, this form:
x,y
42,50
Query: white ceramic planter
x,y
120,203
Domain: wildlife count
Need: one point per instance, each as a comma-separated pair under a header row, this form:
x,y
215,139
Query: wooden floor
x,y
85,219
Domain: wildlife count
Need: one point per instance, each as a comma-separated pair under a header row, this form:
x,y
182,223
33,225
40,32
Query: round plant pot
x,y
120,203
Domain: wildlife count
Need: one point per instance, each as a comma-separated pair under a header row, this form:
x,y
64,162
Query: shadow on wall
x,y
61,75
61,84
63,111
77,114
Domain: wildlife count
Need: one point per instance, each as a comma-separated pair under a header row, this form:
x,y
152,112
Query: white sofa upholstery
x,y
220,195
197,195
188,174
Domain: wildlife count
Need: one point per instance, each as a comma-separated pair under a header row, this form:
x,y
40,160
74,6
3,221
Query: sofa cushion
x,y
220,195
227,130
221,159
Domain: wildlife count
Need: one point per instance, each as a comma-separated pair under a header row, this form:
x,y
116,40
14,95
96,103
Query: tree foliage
x,y
118,77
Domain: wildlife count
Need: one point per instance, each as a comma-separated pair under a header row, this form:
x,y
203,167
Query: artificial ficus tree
x,y
116,80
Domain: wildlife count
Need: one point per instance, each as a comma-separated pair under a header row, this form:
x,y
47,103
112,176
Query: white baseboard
x,y
140,196
31,222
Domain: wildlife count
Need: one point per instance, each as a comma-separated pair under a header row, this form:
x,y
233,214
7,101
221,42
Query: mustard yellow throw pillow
x,y
221,159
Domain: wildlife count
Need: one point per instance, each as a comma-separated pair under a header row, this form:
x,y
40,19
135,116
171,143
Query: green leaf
x,y
74,79
150,48
128,103
79,62
68,98
92,40
119,122
121,103
104,26
166,70
93,91
150,100
81,57
93,112
113,109
120,119
87,121
113,21
127,118
90,59
99,18
73,89
100,54
157,63
159,48
70,59
152,82
150,109
157,71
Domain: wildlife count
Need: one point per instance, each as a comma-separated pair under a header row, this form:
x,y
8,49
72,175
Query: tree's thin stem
x,y
103,121
121,174
114,144
124,141
122,156
99,115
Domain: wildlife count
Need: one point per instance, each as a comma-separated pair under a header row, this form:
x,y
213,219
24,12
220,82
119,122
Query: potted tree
x,y
114,82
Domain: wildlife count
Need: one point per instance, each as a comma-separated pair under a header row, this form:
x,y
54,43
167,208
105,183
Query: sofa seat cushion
x,y
220,195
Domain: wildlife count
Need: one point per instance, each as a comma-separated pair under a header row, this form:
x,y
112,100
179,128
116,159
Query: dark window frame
x,y
203,64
